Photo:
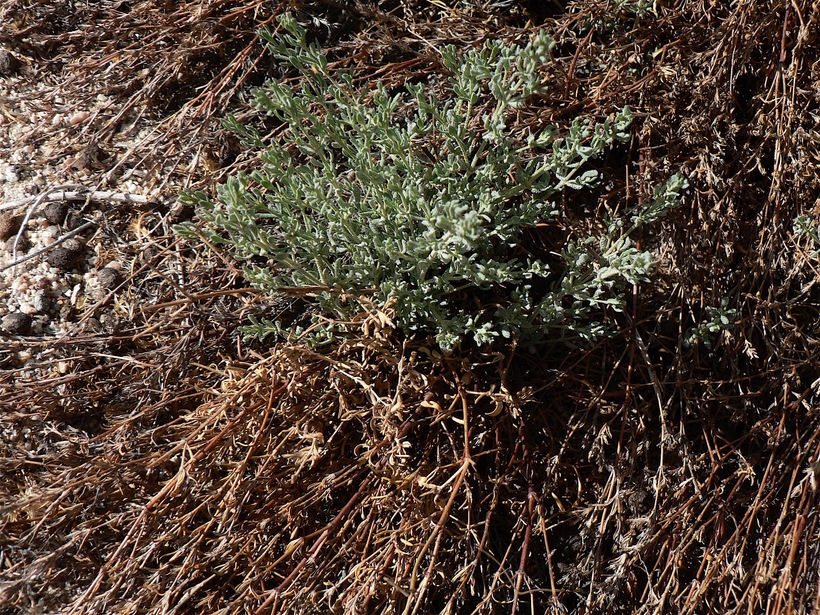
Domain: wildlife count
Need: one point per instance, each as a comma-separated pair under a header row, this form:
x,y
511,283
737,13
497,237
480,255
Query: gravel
x,y
45,295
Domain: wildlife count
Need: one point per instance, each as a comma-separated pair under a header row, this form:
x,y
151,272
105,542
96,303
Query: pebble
x,y
40,302
9,225
21,283
10,174
9,64
62,258
50,234
109,278
75,244
16,323
55,212
78,117
23,244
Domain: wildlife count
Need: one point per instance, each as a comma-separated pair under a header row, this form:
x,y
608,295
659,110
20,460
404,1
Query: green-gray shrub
x,y
425,208
721,319
804,226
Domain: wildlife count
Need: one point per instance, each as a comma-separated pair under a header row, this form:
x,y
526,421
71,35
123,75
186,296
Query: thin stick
x,y
200,297
24,224
314,551
435,536
59,193
49,247
571,73
531,497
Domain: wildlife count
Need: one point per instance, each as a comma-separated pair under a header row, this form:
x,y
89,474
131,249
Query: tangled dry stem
x,y
171,469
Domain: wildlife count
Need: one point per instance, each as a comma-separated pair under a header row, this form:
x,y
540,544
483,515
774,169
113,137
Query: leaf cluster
x,y
425,210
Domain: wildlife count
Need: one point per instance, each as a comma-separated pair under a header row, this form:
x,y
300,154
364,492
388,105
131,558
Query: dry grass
x,y
170,468
178,63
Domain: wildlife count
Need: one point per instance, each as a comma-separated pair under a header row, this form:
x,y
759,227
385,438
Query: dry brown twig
x,y
75,192
58,194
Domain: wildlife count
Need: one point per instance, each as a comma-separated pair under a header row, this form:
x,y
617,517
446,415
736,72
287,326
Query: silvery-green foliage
x,y
804,226
665,197
424,208
721,319
637,7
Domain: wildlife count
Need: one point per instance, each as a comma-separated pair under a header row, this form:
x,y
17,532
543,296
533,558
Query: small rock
x,y
73,220
109,278
109,322
16,323
40,302
55,212
10,174
74,244
9,225
9,64
23,244
49,234
62,258
78,117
